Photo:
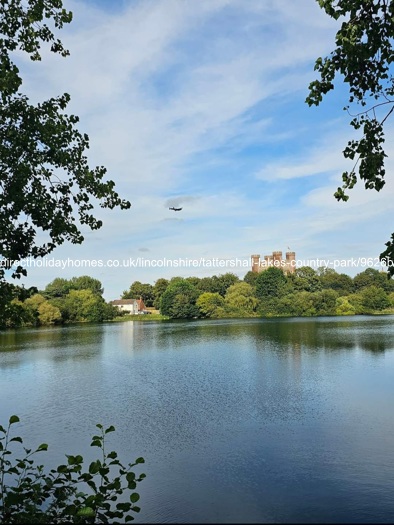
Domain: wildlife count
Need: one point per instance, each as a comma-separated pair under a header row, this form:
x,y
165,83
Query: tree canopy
x,y
363,57
47,185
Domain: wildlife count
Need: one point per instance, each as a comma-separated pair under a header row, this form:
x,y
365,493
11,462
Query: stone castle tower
x,y
275,260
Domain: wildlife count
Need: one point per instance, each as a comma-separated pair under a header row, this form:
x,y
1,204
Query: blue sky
x,y
201,104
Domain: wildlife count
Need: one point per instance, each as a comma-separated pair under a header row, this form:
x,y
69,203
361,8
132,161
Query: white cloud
x,y
161,88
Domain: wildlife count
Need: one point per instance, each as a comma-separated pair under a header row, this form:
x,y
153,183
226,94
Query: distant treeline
x,y
270,293
306,292
62,301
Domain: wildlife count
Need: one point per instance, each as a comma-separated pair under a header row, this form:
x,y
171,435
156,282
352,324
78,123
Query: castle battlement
x,y
276,260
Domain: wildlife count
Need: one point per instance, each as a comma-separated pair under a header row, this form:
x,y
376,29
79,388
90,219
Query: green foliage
x,y
84,305
179,300
240,299
301,304
251,278
62,301
306,279
304,293
39,311
372,277
85,282
343,307
159,288
356,301
209,304
137,290
217,283
391,299
193,280
60,287
48,314
69,493
374,298
340,282
363,57
325,302
270,283
47,185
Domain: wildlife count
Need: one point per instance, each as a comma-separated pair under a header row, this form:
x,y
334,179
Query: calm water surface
x,y
238,420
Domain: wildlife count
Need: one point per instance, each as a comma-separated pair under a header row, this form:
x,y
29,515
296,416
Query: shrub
x,y
29,495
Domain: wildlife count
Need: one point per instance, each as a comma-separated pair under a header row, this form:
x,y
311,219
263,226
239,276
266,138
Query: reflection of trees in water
x,y
59,343
332,335
291,335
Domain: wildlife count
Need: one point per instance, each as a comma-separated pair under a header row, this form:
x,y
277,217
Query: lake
x,y
288,420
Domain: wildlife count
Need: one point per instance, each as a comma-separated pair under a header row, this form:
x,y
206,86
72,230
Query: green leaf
x,y
134,497
71,460
110,429
18,439
136,509
125,507
42,447
130,476
140,460
86,512
94,467
14,419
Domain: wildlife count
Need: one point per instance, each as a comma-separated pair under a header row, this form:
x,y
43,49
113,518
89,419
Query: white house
x,y
131,306
126,305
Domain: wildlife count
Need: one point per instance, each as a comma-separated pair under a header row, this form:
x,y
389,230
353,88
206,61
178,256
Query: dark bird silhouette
x,y
175,209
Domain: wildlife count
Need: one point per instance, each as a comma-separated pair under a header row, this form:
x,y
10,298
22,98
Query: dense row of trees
x,y
306,292
62,301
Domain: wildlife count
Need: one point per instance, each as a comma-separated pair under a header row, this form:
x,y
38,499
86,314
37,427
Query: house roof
x,y
123,301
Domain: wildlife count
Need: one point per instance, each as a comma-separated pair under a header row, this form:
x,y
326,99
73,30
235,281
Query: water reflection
x,y
294,335
291,417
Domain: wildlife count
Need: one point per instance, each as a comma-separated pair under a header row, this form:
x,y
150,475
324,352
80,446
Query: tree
x,y
251,277
159,288
372,277
46,182
270,283
209,304
84,305
324,302
179,300
85,282
363,56
306,279
223,282
240,299
343,307
59,287
374,298
340,282
137,290
48,314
